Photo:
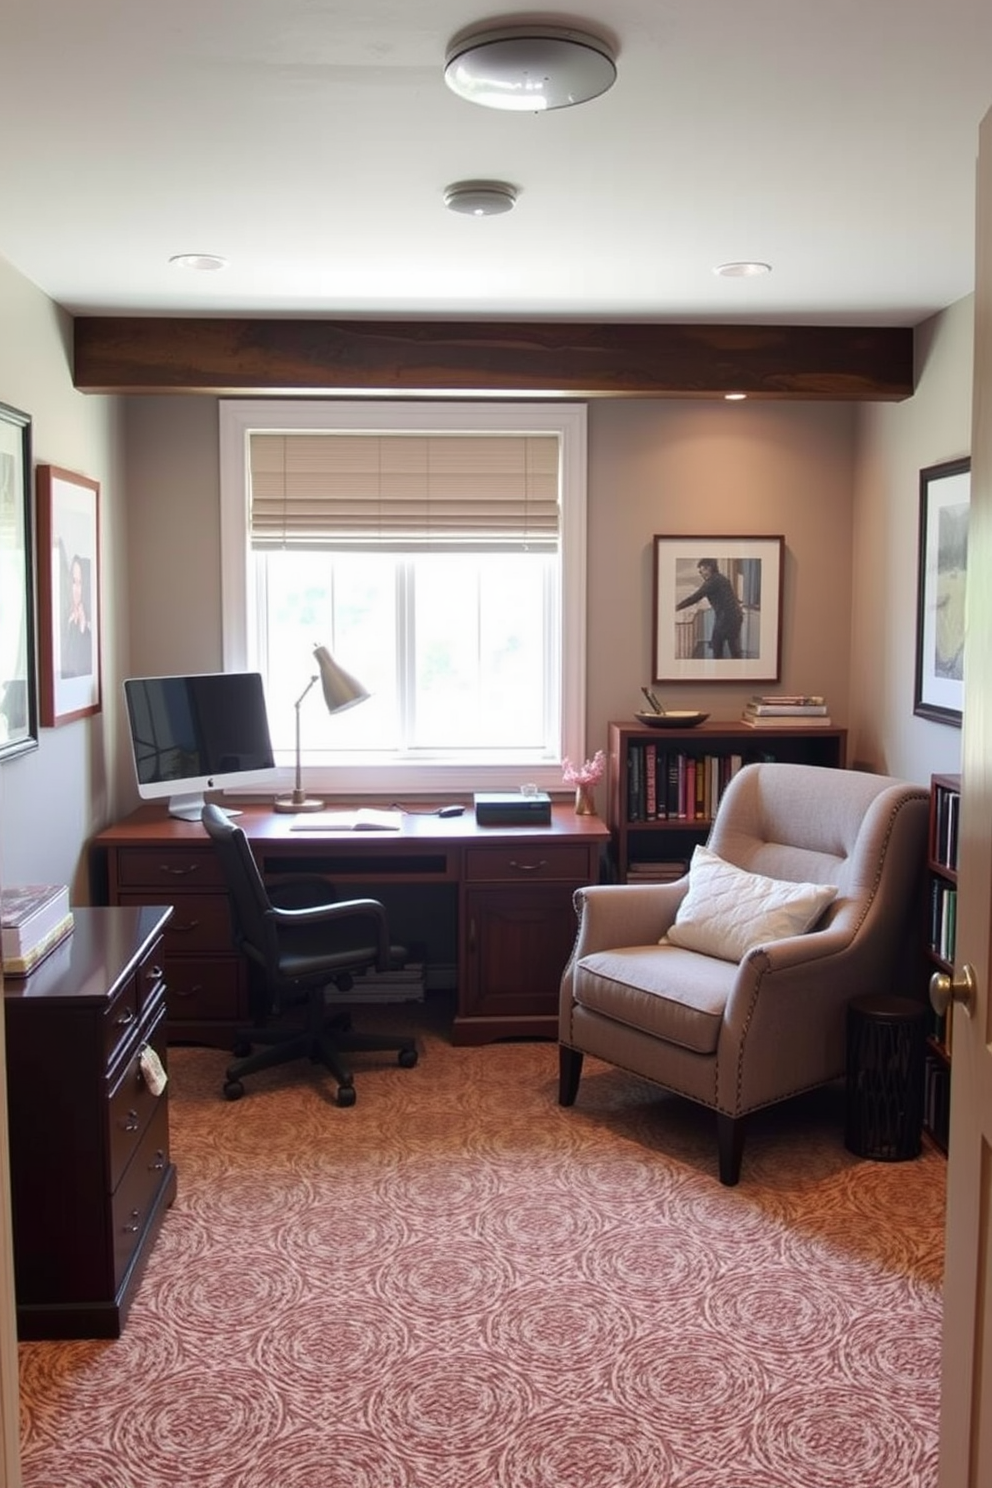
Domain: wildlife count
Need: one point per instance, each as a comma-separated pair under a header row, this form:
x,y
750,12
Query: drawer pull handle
x,y
125,1018
186,927
172,871
133,1228
153,973
157,1163
131,1122
528,867
180,992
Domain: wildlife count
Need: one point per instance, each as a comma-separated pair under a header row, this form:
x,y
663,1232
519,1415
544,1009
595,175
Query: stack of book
x,y
780,710
33,921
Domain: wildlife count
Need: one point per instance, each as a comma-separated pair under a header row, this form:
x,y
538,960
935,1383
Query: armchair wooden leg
x,y
569,1073
730,1146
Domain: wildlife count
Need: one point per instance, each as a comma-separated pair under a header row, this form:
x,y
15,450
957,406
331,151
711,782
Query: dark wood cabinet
x,y
91,1175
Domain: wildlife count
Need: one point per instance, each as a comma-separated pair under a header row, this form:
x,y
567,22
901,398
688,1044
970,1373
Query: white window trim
x,y
238,417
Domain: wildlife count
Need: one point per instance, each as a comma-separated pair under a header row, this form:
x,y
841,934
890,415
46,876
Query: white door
x,y
966,1375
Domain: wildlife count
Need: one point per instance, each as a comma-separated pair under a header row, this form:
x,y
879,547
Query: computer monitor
x,y
198,733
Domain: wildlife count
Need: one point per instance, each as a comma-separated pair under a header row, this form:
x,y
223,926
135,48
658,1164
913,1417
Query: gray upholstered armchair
x,y
711,986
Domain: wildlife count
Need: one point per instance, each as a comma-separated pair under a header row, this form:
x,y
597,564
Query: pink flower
x,y
587,774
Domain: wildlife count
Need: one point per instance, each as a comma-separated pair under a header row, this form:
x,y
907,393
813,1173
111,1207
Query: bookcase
x,y
942,903
664,785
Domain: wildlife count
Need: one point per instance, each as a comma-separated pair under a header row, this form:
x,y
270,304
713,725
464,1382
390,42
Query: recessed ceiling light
x,y
744,270
528,68
480,198
205,263
735,397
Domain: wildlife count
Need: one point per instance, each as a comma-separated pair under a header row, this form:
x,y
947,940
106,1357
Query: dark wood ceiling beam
x,y
127,354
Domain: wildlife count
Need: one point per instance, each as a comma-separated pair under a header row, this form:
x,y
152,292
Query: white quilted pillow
x,y
726,910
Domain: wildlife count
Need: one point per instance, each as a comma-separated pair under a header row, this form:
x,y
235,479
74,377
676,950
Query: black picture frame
x,y
18,655
942,569
683,648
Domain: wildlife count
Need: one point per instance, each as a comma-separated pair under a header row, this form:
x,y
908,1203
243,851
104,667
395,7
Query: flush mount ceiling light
x,y
204,263
744,270
528,68
480,198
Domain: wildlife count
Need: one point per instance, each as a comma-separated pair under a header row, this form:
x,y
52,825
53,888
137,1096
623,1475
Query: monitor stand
x,y
190,807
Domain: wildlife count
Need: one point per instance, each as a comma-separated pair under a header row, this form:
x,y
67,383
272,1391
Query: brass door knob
x,y
946,989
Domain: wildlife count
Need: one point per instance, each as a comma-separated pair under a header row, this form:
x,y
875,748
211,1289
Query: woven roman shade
x,y
404,491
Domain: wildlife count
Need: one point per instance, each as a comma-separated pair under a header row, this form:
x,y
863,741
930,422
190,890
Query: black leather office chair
x,y
295,954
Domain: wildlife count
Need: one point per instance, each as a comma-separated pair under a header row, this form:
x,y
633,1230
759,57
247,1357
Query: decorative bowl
x,y
674,718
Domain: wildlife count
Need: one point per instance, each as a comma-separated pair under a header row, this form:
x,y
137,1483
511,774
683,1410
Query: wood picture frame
x,y
942,570
68,595
18,657
717,609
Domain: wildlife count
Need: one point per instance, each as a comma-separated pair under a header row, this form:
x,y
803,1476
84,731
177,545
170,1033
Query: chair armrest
x,y
613,915
367,911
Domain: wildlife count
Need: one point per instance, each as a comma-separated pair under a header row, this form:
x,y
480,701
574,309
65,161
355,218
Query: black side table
x,y
886,1049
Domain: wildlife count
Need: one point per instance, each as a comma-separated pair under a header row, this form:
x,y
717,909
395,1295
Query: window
x,y
438,551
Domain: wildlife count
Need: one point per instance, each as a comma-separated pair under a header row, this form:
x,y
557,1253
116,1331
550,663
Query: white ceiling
x,y
310,142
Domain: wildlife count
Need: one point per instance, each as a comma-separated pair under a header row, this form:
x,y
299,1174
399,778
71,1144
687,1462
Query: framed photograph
x,y
18,661
945,497
68,595
718,609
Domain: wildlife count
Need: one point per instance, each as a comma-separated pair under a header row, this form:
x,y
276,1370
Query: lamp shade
x,y
341,690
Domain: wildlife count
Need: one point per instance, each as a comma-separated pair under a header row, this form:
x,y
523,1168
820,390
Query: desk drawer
x,y
531,861
205,988
200,922
168,868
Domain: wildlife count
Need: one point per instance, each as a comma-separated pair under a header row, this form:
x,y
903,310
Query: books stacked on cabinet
x,y
34,919
781,710
673,785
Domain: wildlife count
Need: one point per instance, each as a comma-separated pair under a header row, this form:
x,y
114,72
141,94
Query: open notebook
x,y
365,819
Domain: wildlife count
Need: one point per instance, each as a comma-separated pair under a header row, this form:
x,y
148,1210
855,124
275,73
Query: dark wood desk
x,y
513,889
89,1141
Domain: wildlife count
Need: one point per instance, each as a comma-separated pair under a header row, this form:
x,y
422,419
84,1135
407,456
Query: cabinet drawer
x,y
204,988
119,1020
530,861
200,922
158,869
130,1104
135,1197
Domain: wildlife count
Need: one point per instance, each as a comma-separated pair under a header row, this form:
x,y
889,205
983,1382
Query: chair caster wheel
x,y
233,1090
346,1095
408,1058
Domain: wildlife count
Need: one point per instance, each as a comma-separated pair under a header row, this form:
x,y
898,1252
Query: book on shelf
x,y
661,871
786,720
34,919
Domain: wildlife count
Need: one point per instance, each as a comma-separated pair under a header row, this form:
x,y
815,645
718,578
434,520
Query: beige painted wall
x,y
53,798
654,467
686,468
896,441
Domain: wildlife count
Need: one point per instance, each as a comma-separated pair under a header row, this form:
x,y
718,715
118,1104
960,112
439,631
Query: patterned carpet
x,y
457,1284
